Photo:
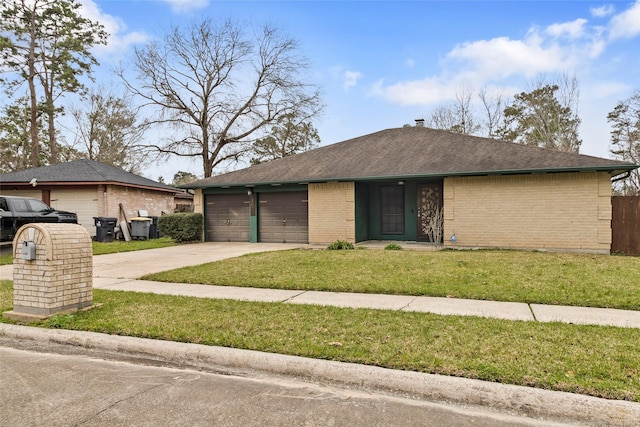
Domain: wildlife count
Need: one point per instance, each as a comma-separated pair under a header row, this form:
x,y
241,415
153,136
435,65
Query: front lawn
x,y
101,248
531,277
595,360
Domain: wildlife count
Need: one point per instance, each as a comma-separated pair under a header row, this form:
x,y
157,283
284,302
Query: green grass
x,y
6,259
594,360
101,248
531,277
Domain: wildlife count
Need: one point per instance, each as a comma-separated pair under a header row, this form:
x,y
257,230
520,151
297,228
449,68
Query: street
x,y
69,390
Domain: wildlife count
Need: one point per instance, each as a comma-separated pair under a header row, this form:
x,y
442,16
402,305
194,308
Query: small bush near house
x,y
393,247
340,244
182,227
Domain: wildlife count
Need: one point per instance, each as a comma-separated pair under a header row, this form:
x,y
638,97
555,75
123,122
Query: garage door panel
x,y
283,217
84,202
227,218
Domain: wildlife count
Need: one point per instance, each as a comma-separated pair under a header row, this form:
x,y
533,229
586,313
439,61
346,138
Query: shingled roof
x,y
85,172
412,152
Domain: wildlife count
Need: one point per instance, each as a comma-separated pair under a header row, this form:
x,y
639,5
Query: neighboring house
x,y
391,185
92,189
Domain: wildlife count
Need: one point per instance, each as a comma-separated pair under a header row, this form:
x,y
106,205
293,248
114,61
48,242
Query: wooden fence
x,y
625,225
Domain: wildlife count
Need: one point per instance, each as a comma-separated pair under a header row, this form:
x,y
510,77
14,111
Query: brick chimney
x,y
419,123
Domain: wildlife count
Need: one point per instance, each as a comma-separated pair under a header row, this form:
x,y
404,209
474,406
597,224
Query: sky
x,y
383,64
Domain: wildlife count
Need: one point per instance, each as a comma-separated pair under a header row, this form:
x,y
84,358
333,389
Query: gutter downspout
x,y
626,175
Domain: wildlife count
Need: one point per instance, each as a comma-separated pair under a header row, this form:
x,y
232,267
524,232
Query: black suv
x,y
17,211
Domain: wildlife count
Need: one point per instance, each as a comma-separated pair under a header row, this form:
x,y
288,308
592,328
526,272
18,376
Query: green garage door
x,y
227,218
283,217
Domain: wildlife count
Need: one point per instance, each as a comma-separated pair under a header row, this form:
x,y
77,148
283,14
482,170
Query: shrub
x,y
393,247
340,244
182,227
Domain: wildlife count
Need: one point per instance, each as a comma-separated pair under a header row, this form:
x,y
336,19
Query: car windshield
x,y
38,206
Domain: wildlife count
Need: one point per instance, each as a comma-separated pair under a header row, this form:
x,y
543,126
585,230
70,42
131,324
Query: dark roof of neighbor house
x,y
82,172
412,152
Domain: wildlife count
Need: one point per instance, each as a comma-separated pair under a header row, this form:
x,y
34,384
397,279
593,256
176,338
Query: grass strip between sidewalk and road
x,y
593,360
517,276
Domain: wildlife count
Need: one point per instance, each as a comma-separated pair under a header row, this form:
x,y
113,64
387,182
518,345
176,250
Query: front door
x,y
392,209
430,213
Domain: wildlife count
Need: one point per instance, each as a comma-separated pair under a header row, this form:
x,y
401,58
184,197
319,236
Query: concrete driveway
x,y
131,265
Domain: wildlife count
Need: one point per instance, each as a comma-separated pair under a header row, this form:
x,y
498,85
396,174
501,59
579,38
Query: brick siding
x,y
133,200
331,212
60,278
568,211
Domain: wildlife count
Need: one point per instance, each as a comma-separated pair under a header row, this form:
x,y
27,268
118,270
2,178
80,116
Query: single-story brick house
x,y
390,185
92,189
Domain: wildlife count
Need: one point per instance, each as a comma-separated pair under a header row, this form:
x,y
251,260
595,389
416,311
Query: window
x,y
38,206
392,209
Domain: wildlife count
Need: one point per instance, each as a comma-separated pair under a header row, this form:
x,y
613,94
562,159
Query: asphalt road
x,y
49,389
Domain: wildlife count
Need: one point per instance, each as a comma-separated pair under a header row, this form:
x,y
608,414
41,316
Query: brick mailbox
x,y
52,271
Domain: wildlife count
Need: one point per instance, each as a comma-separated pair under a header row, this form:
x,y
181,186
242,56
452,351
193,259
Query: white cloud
x,y
503,57
626,24
430,90
558,48
350,79
183,6
410,62
119,39
574,29
602,11
603,90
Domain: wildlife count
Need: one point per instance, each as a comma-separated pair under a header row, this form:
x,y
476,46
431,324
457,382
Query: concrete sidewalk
x,y
120,271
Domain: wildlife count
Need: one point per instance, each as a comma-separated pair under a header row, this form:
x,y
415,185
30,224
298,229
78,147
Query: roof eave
x,y
87,183
614,170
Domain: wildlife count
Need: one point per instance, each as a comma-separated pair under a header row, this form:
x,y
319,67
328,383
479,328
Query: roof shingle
x,y
82,171
412,152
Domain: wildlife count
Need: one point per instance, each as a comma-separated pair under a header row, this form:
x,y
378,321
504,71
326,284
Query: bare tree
x,y
457,117
494,112
219,87
625,139
434,228
108,130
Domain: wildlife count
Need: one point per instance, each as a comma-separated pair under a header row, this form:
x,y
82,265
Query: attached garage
x,y
283,217
227,218
84,202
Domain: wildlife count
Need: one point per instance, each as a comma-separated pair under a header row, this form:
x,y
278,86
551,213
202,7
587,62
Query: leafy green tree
x,y
45,45
108,131
219,85
540,118
15,143
181,178
625,138
287,136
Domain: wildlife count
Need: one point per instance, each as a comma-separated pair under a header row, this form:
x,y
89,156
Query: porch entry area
x,y
400,210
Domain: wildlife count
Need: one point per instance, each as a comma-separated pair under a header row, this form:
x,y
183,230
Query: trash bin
x,y
105,228
154,232
140,228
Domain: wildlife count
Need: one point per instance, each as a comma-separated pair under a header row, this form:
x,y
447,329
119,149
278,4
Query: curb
x,y
516,400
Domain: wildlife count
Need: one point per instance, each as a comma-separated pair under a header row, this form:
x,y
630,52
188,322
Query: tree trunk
x,y
53,146
33,109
